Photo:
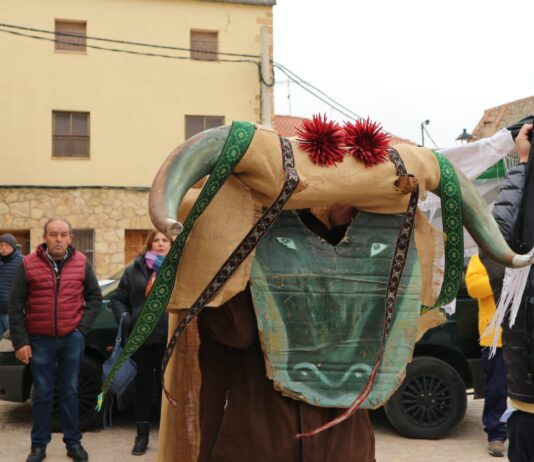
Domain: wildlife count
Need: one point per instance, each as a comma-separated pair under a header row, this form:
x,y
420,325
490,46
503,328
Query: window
x,y
204,45
70,134
84,241
197,124
75,35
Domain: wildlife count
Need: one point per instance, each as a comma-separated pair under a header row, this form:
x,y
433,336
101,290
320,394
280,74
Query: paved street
x,y
465,444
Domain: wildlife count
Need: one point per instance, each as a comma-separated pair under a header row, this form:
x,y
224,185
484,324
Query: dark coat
x,y
518,342
130,297
8,268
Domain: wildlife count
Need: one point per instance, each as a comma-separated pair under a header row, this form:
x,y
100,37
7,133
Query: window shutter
x,y
204,45
197,124
76,38
70,137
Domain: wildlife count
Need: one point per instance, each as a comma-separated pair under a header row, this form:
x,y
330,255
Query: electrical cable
x,y
300,84
262,80
120,50
308,87
285,70
123,42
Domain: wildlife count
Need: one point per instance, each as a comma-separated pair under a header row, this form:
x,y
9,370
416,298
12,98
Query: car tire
x,y
430,401
89,387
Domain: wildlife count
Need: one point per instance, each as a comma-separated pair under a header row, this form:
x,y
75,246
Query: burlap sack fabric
x,y
179,433
255,184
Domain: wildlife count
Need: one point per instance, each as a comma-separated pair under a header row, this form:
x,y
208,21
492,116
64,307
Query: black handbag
x,y
122,378
128,370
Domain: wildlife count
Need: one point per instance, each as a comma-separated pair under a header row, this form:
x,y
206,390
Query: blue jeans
x,y
56,358
4,324
495,393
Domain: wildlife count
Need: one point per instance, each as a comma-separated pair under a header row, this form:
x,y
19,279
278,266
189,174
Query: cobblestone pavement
x,y
466,443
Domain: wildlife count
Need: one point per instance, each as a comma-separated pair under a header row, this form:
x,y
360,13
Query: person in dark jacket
x,y
518,340
54,300
10,259
129,298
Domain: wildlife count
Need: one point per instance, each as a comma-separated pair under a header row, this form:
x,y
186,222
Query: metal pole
x,y
265,98
422,133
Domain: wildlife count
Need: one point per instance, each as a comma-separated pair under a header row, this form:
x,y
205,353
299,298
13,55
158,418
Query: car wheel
x,y
88,390
430,401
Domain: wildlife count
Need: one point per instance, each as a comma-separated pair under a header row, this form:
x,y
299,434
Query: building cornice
x,y
246,2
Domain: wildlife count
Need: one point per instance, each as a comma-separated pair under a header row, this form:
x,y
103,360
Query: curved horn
x,y
196,158
483,228
187,164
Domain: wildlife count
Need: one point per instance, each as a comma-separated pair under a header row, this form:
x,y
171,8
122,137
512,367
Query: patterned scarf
x,y
153,261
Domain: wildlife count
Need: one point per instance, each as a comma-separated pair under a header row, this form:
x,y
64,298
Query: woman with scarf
x,y
129,298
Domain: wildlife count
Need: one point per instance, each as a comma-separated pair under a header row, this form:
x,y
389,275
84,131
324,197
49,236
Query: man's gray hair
x,y
45,228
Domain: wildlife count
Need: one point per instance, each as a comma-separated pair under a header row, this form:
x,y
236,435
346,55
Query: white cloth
x,y
472,159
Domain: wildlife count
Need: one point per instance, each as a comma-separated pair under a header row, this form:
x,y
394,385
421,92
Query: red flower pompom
x,y
322,139
366,141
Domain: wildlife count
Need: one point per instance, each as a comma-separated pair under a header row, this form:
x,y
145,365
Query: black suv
x,y
446,362
429,403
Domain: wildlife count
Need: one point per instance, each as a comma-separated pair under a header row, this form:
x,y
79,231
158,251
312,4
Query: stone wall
x,y
108,211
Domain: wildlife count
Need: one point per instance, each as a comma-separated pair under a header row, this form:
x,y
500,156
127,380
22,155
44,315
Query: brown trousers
x,y
242,416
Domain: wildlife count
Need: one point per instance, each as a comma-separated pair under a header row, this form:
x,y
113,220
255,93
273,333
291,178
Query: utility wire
x,y
294,77
328,103
132,52
120,50
313,90
122,42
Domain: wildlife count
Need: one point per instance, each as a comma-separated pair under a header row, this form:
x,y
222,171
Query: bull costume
x,y
300,335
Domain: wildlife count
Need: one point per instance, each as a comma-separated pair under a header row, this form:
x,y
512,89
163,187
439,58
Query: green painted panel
x,y
320,309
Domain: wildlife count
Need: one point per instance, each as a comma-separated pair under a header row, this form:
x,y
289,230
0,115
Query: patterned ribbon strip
x,y
241,252
397,268
237,143
451,215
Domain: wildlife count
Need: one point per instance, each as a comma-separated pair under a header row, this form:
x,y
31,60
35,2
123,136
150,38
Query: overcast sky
x,y
403,62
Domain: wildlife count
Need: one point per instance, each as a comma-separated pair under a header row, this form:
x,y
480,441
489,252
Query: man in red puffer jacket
x,y
54,300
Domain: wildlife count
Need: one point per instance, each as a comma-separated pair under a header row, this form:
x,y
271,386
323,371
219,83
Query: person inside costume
x,y
129,298
242,416
478,286
296,325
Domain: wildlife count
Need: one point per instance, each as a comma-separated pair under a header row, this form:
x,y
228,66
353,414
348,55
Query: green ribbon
x,y
451,215
237,143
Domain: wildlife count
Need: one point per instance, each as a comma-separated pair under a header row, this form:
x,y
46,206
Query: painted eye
x,y
376,248
287,242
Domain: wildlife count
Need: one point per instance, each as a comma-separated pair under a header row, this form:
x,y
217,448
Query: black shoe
x,y
78,453
37,455
141,440
141,443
